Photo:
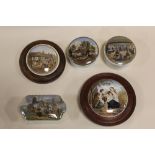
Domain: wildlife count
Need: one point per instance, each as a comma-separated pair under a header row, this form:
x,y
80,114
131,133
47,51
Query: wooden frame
x,y
47,78
107,121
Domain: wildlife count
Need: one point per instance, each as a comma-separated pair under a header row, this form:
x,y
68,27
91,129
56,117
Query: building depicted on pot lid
x,y
82,51
119,51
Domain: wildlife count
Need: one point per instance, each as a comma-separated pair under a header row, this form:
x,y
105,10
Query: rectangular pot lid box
x,y
43,107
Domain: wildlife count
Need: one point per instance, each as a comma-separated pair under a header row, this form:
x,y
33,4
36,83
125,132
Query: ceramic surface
x,y
108,98
43,107
82,51
42,59
119,51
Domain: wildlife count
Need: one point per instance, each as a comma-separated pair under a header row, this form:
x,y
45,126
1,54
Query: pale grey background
x,y
14,86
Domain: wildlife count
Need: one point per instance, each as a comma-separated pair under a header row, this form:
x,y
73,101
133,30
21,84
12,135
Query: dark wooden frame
x,y
107,121
47,78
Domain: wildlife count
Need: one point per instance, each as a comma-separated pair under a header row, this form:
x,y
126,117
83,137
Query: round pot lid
x,y
119,50
42,61
82,51
107,99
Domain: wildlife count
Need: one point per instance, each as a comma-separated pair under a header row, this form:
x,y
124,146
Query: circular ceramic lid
x,y
119,50
42,61
107,99
82,51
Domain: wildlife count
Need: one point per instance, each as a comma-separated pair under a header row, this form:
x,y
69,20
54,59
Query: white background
x,y
15,86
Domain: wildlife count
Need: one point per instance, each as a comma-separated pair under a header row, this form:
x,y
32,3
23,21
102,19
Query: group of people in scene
x,y
106,99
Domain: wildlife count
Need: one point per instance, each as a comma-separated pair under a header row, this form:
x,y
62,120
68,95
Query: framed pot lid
x,y
107,99
119,50
82,51
42,61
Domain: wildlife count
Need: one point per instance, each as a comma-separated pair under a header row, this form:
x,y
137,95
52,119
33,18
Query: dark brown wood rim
x,y
42,79
107,121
